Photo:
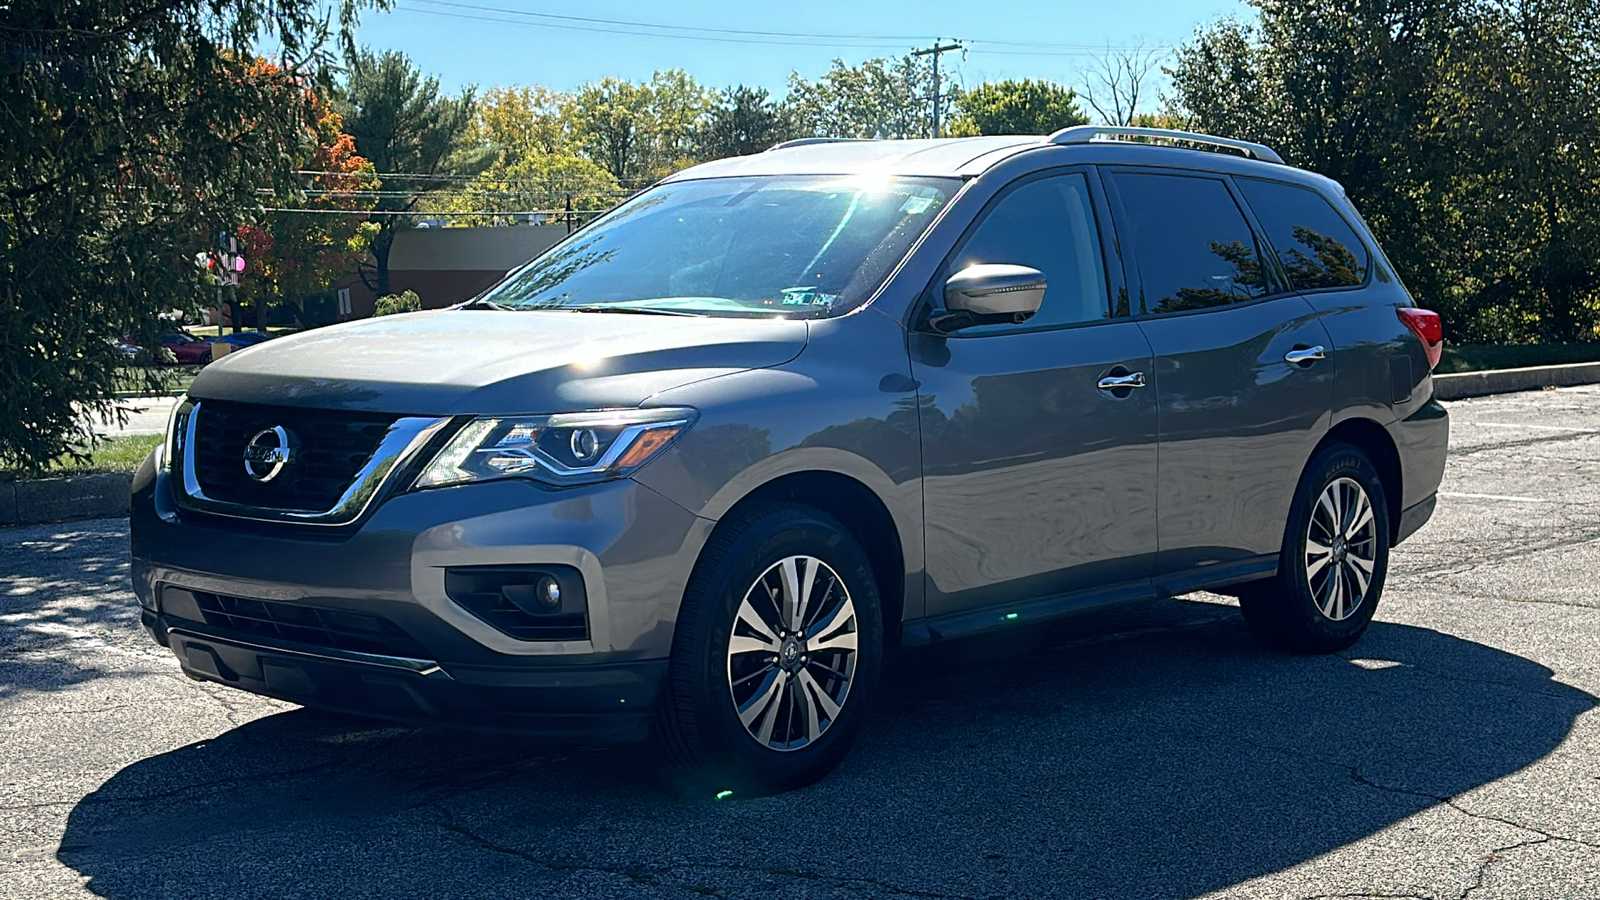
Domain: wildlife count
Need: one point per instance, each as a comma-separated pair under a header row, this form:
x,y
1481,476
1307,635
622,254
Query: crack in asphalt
x,y
1362,895
254,779
1554,437
650,875
1472,561
1494,856
1356,776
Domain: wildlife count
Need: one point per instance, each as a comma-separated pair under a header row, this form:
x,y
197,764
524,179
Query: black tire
x,y
1310,614
699,723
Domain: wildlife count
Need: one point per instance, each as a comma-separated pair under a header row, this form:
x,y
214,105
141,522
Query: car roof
x,y
948,157
970,157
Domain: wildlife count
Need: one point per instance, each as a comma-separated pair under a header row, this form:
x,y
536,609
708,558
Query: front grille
x,y
332,447
335,629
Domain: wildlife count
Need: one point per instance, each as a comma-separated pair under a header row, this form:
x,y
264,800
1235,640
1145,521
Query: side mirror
x,y
989,294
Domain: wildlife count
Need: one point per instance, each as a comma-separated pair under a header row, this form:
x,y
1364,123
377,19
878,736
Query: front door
x,y
1039,457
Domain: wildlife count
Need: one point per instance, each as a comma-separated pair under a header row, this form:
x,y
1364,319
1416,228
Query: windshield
x,y
792,245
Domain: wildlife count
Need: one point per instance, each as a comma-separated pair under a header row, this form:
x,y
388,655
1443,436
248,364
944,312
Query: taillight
x,y
1424,323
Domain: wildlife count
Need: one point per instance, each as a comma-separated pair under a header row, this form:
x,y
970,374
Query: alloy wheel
x,y
792,653
1341,549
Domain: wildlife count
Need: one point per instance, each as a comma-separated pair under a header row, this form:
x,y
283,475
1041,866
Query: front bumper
x,y
596,702
633,548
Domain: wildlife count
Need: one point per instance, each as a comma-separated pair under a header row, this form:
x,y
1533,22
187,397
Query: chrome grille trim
x,y
401,443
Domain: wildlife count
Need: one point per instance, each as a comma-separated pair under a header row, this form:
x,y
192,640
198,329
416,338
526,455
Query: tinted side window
x,y
1049,225
1315,244
1194,246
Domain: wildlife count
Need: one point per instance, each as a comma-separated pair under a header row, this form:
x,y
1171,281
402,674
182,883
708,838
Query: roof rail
x,y
1084,134
801,142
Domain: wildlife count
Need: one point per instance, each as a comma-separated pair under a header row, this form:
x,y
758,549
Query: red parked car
x,y
187,349
182,349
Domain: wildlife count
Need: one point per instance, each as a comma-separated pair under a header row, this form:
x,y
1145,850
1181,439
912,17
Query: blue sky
x,y
498,43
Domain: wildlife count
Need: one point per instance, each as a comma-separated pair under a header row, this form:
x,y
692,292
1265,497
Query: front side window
x,y
1194,247
802,246
1315,245
1049,225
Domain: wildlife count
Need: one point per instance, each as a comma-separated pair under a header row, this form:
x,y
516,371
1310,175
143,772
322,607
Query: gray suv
x,y
696,467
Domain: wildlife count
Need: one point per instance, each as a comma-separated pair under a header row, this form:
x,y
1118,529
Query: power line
x,y
726,35
665,27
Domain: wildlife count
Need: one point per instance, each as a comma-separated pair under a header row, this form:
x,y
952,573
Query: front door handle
x,y
1114,382
1305,356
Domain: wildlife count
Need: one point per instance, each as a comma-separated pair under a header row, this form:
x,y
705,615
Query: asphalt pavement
x,y
1149,750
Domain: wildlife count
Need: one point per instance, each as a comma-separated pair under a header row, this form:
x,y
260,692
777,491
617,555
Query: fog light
x,y
543,596
548,593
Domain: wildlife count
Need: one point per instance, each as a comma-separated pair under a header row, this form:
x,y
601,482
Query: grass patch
x,y
123,453
163,381
1480,357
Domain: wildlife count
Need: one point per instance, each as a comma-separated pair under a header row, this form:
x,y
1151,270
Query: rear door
x,y
1243,373
1039,471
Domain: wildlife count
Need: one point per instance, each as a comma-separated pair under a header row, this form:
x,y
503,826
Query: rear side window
x,y
1194,247
1316,246
1047,224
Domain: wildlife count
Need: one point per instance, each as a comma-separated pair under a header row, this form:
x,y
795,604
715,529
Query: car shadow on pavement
x,y
62,584
1151,752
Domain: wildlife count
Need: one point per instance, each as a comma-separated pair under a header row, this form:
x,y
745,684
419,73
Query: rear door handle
x,y
1304,356
1112,382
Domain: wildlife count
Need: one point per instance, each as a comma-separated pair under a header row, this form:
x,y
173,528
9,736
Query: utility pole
x,y
935,52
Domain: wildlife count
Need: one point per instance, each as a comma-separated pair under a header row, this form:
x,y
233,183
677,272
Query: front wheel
x,y
776,652
1334,559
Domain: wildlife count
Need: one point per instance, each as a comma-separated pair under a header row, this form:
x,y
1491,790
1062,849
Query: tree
x,y
640,132
530,137
1216,83
877,99
133,135
1117,81
1017,107
678,104
1466,132
518,122
1527,94
295,254
415,136
612,118
743,121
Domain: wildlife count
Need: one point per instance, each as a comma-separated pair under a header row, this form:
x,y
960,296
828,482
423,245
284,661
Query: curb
x,y
60,499
1506,381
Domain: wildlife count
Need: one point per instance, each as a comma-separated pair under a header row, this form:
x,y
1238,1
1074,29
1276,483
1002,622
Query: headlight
x,y
570,448
177,427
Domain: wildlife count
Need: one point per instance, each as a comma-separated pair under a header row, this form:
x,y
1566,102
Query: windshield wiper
x,y
481,303
640,310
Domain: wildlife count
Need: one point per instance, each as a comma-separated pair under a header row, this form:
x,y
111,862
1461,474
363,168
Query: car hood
x,y
452,362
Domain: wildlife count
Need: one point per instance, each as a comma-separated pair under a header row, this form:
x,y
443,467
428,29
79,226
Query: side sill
x,y
1208,577
994,619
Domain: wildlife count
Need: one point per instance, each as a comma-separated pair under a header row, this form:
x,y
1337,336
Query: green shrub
x,y
404,302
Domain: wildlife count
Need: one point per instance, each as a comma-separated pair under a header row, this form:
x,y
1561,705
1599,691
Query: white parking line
x,y
1539,427
1454,496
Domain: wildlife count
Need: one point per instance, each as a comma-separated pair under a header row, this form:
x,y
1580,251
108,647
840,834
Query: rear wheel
x,y
1334,559
776,654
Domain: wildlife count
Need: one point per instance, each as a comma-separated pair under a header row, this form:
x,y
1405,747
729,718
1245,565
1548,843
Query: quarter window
x,y
1048,225
1194,247
1315,245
